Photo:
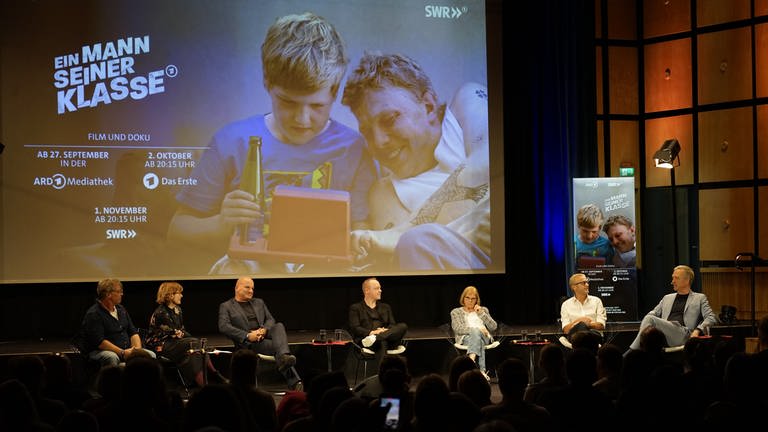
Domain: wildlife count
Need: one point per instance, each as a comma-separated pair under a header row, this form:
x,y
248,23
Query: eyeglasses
x,y
470,298
586,281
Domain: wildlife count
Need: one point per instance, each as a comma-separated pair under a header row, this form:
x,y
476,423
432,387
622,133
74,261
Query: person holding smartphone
x,y
392,419
395,396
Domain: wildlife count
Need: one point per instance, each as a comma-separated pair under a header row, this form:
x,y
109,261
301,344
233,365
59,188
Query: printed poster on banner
x,y
605,242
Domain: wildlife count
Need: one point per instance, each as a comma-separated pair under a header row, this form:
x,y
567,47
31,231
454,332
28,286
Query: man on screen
x,y
430,210
303,63
621,233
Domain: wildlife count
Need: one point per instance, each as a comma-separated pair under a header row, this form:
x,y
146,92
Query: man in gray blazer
x,y
248,323
680,315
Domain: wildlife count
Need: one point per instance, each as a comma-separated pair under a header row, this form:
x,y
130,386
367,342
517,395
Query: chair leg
x,y
357,370
183,383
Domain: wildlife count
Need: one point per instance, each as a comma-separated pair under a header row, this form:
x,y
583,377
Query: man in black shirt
x,y
372,323
107,334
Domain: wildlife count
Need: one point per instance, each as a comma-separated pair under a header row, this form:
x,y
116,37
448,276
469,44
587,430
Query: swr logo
x,y
447,12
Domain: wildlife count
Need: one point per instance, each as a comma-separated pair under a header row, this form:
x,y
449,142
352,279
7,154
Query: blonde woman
x,y
472,324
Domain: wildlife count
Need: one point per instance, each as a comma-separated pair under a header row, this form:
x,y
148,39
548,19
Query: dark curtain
x,y
550,135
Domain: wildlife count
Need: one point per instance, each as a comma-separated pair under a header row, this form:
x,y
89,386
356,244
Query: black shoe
x,y
285,361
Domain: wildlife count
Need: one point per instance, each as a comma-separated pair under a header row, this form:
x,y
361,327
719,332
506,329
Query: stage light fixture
x,y
665,158
666,155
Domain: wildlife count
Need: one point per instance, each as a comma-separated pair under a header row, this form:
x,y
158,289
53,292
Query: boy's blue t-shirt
x,y
335,159
601,247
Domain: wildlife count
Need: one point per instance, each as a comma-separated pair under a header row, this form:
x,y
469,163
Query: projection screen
x,y
120,117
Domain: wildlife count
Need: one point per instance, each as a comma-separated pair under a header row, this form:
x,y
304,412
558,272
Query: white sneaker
x,y
396,351
368,352
369,340
565,342
485,374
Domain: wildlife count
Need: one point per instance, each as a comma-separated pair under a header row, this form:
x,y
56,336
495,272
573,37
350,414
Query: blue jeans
x,y
476,342
109,358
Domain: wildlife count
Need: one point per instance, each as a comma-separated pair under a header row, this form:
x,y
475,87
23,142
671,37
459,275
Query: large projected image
x,y
190,139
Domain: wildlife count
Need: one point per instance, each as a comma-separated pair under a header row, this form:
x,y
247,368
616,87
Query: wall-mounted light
x,y
666,155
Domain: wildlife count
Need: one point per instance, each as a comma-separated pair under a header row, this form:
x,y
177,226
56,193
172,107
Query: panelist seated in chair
x,y
680,315
582,312
168,336
472,325
372,323
107,334
249,324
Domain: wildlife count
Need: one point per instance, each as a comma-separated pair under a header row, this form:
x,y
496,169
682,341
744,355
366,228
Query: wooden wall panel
x,y
709,12
761,59
725,66
624,146
663,17
761,7
622,78
733,287
762,227
667,71
725,145
600,149
622,21
762,142
599,78
656,132
726,223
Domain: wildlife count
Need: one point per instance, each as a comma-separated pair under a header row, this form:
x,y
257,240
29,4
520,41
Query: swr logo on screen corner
x,y
445,12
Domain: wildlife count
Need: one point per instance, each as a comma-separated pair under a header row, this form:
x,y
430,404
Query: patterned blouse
x,y
163,325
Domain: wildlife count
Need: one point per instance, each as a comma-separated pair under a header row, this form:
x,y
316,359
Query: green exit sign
x,y
626,171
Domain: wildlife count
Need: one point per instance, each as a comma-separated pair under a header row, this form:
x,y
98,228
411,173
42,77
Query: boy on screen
x,y
591,248
303,62
430,210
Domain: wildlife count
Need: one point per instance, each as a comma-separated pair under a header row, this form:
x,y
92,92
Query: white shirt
x,y
573,309
474,321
